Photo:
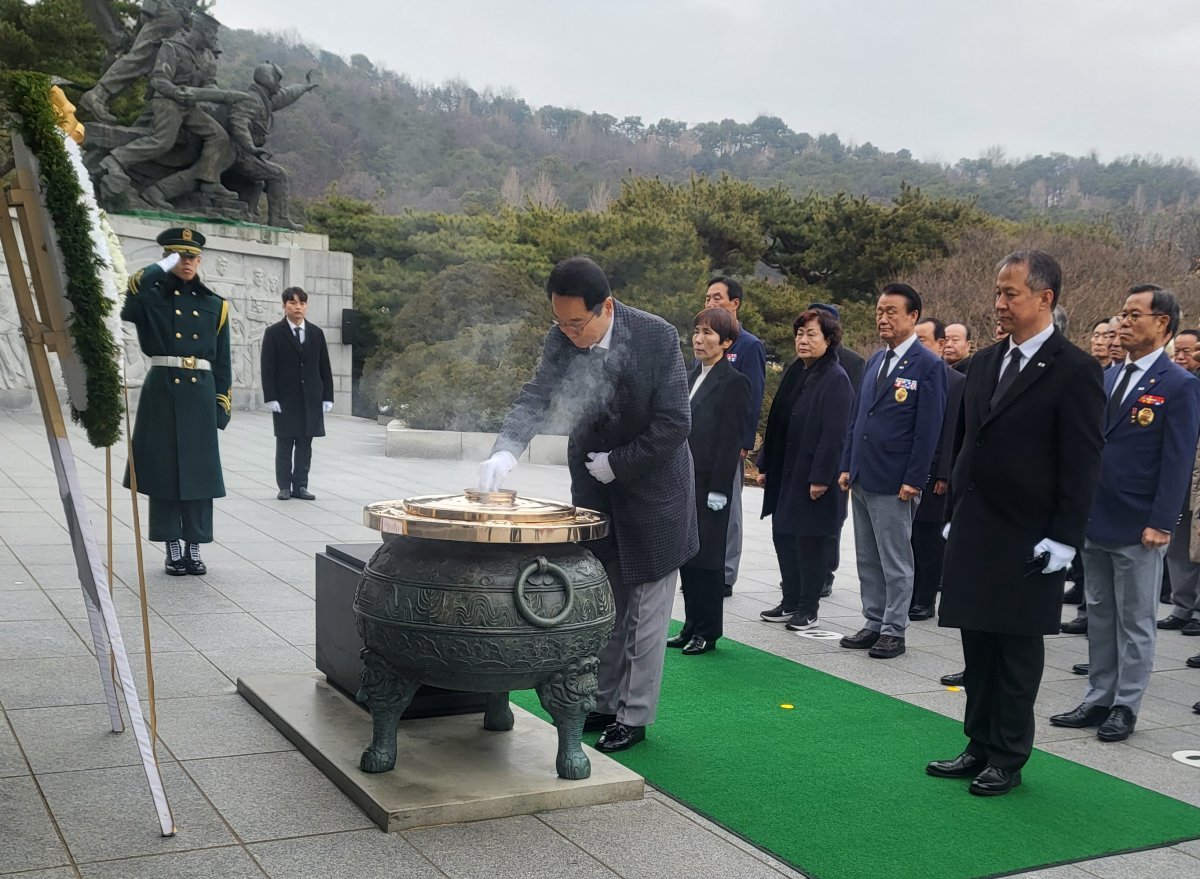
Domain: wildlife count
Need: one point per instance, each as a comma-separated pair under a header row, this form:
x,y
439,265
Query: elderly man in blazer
x,y
297,386
617,374
1150,427
1027,455
889,450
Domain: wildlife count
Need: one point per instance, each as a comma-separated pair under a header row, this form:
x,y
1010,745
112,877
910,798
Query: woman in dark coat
x,y
798,464
718,393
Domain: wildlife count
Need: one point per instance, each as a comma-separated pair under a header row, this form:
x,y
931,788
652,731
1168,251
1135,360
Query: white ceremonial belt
x,y
180,362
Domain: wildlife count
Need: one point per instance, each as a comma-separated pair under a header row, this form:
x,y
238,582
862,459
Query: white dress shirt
x,y
292,329
1029,348
898,355
1142,364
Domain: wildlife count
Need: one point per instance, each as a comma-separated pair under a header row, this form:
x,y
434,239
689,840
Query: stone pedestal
x,y
248,265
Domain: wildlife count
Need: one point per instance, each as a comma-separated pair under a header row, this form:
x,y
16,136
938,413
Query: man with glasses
x,y
617,375
1151,424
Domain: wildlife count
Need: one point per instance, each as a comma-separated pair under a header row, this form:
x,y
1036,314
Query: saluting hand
x,y
1152,538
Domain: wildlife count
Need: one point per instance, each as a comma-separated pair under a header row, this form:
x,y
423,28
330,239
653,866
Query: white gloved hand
x,y
168,262
946,532
273,405
493,471
326,405
1061,555
597,465
717,501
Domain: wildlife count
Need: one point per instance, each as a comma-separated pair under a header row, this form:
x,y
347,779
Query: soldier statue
x,y
250,122
183,327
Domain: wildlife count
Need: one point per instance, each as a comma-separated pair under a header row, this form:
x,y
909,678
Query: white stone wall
x,y
248,265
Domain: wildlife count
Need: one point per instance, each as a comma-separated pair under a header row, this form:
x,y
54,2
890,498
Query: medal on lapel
x,y
901,395
1145,417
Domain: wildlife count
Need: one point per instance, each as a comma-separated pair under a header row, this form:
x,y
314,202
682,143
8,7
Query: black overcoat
x,y
716,444
1024,471
803,446
175,451
298,377
630,401
933,506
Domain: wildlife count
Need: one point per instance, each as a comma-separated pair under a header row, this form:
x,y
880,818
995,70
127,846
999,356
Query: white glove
x,y
493,471
273,405
717,501
326,405
946,532
168,262
597,465
1061,555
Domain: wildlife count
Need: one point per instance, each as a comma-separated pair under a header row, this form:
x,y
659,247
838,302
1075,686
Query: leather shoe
x,y
920,612
1082,717
284,494
1119,725
1172,622
963,766
1077,626
618,737
954,680
680,640
1081,668
303,494
597,720
699,645
1196,708
860,640
887,647
1193,661
1192,628
994,782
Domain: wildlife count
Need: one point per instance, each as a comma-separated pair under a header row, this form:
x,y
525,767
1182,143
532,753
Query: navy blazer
x,y
1149,450
749,357
894,432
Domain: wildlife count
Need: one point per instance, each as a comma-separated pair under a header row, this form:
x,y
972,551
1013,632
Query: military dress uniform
x,y
183,327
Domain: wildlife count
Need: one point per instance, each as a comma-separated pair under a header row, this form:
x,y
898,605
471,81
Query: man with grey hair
x,y
1151,424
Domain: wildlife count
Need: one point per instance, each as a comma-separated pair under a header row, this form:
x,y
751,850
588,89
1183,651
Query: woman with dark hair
x,y
720,396
798,466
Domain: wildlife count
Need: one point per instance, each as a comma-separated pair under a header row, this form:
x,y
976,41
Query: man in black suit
x,y
618,374
298,387
957,351
1028,441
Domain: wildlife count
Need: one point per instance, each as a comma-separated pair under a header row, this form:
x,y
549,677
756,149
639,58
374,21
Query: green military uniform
x,y
182,404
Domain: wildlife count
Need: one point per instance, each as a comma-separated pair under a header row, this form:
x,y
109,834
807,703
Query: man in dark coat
x,y
184,329
618,374
1028,453
298,387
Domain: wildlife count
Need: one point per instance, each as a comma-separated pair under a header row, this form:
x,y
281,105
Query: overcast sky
x,y
943,78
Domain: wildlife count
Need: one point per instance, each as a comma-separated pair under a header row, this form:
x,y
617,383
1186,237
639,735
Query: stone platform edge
x,y
457,445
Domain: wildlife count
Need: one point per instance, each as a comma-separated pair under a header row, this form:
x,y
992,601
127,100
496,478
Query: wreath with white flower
x,y
90,254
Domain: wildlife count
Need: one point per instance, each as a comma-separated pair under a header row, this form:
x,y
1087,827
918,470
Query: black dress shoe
x,y
1081,668
284,494
175,565
303,494
1172,622
192,561
954,680
699,645
681,639
994,782
860,640
1192,628
597,721
963,766
1082,717
1193,661
887,647
1196,708
1074,595
1119,725
618,737
920,612
1077,626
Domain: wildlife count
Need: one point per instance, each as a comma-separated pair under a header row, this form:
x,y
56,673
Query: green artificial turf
x,y
836,787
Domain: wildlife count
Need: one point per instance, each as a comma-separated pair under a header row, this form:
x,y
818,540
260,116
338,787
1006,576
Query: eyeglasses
x,y
1135,316
573,327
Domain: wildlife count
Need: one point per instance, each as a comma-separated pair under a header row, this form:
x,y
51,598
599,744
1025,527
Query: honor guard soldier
x,y
183,327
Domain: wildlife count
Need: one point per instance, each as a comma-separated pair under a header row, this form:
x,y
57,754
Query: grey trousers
x,y
631,663
733,537
1122,585
883,542
1185,574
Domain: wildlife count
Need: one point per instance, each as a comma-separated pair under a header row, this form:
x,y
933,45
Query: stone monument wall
x,y
248,265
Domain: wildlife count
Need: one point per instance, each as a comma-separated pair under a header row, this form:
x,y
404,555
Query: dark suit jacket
x,y
298,377
716,444
1149,450
933,506
853,363
1024,470
632,402
805,448
895,430
748,356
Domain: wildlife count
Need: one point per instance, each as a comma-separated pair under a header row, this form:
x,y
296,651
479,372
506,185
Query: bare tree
x,y
542,193
510,189
600,197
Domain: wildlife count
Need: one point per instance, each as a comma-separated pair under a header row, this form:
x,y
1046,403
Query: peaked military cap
x,y
181,240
